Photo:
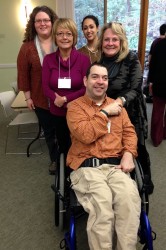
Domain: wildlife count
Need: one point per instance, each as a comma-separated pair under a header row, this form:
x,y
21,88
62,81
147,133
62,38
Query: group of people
x,y
90,105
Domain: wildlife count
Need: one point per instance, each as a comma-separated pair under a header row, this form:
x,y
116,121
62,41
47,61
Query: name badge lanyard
x,y
64,82
60,67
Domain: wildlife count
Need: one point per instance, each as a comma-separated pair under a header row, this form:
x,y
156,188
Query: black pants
x,y
62,134
46,120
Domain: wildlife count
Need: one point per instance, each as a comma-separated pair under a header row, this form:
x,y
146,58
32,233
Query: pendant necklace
x,y
93,52
90,51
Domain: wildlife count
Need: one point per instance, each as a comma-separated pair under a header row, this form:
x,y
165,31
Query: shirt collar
x,y
92,103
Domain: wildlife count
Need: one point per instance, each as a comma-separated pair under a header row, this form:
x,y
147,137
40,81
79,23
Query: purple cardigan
x,y
79,63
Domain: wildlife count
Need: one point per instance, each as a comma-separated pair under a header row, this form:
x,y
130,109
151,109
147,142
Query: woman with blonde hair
x,y
63,73
125,85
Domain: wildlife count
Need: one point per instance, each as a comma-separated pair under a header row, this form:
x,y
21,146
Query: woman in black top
x,y
125,85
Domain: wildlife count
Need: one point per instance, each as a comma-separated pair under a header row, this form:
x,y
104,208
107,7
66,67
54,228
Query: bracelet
x,y
27,99
104,112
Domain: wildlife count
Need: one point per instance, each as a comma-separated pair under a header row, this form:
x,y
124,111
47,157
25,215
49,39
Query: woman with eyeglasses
x,y
62,76
125,85
90,28
36,44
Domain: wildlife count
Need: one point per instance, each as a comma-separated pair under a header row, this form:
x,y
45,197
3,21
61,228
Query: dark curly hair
x,y
30,31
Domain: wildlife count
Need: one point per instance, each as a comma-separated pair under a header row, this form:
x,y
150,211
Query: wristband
x,y
104,112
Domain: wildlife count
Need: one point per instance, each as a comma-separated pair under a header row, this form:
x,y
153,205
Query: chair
x,y
20,118
14,87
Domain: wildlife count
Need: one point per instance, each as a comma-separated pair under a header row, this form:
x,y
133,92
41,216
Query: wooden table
x,y
19,104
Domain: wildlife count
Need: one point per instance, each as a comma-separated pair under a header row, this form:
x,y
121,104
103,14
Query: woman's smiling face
x,y
90,29
110,43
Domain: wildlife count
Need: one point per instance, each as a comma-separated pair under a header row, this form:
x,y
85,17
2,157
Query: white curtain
x,y
65,8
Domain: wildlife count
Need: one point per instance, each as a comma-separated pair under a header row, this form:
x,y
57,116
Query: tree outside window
x,y
126,12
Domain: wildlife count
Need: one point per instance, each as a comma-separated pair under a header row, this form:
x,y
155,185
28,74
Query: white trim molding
x,y
7,65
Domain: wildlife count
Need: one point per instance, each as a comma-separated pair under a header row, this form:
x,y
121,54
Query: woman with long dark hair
x,y
90,28
36,44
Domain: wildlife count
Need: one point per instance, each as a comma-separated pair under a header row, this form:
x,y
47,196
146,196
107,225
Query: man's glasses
x,y
40,21
61,34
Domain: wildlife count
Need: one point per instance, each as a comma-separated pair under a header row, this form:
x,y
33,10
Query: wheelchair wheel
x,y
70,236
139,178
62,191
56,202
145,202
145,232
59,193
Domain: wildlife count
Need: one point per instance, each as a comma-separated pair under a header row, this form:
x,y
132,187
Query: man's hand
x,y
114,108
59,100
127,163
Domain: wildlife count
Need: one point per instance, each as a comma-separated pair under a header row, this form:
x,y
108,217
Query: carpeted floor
x,y
27,201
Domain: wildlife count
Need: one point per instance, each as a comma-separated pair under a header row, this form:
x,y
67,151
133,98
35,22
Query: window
x,y
156,17
126,12
84,8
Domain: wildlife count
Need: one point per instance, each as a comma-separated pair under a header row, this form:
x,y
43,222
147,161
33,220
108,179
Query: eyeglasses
x,y
39,21
61,34
113,40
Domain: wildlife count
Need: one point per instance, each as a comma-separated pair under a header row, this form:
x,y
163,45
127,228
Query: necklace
x,y
93,52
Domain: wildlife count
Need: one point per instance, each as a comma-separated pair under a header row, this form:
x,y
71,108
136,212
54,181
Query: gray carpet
x,y
27,201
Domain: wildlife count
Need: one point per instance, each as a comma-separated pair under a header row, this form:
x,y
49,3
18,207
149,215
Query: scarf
x,y
40,51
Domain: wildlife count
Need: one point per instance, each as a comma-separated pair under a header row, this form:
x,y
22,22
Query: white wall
x,y
11,36
65,8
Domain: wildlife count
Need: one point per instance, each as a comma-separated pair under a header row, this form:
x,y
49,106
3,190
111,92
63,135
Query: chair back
x,y
14,87
6,99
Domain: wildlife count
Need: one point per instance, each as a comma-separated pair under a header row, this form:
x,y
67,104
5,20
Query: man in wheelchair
x,y
104,145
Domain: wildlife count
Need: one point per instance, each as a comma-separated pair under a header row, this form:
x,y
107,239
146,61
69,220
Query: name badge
x,y
64,83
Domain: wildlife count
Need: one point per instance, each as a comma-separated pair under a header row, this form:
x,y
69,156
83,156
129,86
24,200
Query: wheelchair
x,y
68,210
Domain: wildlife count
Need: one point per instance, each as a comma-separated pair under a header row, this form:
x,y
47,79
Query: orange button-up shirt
x,y
91,136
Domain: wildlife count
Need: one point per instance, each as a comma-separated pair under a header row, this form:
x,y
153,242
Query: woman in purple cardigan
x,y
62,76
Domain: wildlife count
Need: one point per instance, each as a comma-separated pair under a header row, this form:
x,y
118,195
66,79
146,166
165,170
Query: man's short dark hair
x,y
93,64
163,29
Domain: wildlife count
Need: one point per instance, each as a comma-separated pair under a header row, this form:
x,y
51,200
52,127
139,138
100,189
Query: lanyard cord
x,y
60,68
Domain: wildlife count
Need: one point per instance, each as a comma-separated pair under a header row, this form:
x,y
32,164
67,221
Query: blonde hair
x,y
65,23
118,30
